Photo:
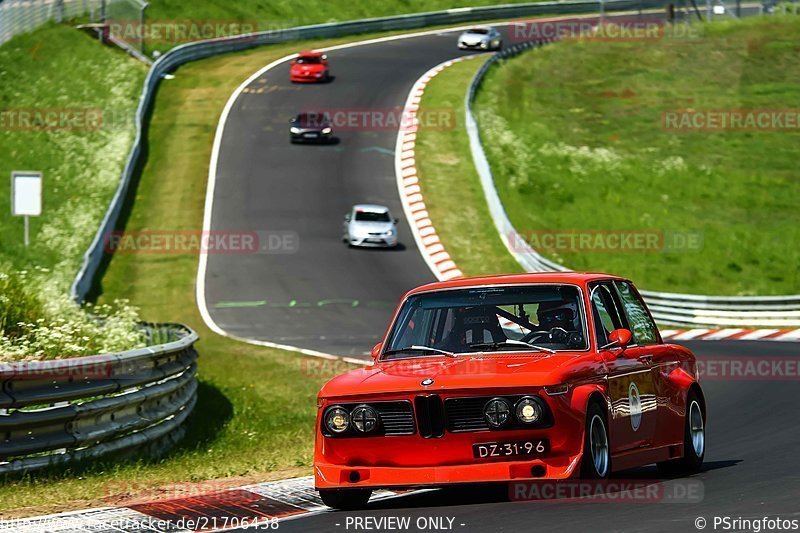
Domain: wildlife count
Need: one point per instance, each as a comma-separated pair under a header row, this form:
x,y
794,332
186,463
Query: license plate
x,y
310,135
486,450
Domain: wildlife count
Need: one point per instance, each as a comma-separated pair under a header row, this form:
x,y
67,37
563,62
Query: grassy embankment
x,y
575,138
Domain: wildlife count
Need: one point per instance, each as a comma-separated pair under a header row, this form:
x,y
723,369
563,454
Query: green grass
x,y
287,13
453,193
573,133
57,68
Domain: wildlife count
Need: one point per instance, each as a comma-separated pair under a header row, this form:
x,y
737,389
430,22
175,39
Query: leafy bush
x,y
39,322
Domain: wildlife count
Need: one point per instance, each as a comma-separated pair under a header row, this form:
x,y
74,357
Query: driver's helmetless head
x,y
557,315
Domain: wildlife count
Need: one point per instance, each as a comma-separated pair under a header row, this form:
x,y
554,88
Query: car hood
x,y
315,67
463,372
371,226
474,37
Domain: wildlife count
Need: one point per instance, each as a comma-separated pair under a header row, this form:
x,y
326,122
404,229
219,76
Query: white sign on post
x,y
26,196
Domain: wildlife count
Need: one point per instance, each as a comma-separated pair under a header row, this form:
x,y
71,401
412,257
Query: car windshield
x,y
541,318
312,119
479,31
372,216
309,60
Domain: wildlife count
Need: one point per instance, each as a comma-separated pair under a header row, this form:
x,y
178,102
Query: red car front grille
x,y
429,410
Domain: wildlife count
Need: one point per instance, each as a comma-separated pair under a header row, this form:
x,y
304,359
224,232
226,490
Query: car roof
x,y
309,53
373,208
481,28
576,278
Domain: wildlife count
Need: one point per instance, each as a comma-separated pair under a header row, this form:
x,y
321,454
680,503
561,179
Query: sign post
x,y
26,197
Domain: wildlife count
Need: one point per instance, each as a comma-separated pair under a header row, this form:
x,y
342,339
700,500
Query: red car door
x,y
631,381
660,358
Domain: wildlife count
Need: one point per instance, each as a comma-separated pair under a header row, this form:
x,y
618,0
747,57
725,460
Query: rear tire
x,y
694,440
345,499
596,462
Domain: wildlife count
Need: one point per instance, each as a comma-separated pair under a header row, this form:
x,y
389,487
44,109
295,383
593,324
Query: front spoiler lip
x,y
328,476
362,244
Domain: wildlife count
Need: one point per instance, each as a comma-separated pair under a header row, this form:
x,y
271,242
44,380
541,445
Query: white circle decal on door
x,y
635,403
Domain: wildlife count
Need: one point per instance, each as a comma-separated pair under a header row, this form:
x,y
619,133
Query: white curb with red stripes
x,y
408,185
732,334
265,504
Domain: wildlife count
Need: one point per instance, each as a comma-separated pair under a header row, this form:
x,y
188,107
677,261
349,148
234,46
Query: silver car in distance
x,y
480,38
370,225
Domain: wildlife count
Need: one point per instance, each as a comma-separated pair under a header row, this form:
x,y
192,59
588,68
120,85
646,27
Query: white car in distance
x,y
480,38
370,225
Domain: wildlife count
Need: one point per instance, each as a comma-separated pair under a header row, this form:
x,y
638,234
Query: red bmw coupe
x,y
510,378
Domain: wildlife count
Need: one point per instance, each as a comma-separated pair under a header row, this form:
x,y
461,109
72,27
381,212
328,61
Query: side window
x,y
606,316
644,330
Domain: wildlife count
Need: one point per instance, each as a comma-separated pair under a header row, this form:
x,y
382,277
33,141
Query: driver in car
x,y
559,318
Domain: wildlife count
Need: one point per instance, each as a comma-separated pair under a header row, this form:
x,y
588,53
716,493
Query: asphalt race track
x,y
752,470
324,296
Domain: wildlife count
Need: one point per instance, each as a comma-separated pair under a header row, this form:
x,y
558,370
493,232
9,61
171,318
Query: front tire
x,y
694,440
596,463
345,499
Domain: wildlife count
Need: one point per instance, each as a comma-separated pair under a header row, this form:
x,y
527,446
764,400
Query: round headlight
x,y
497,412
528,410
337,420
364,418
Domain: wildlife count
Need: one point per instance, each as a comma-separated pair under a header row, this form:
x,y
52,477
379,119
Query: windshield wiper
x,y
420,349
510,343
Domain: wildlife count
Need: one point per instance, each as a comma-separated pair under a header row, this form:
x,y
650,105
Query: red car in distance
x,y
510,378
309,67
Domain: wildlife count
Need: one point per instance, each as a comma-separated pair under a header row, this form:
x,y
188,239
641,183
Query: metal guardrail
x,y
61,411
203,49
674,309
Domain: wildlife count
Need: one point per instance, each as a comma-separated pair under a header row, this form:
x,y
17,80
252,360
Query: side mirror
x,y
347,217
376,351
294,62
622,337
396,220
619,338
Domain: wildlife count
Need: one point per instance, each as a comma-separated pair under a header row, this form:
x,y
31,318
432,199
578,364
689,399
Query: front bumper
x,y
307,78
415,461
477,46
373,241
311,137
330,476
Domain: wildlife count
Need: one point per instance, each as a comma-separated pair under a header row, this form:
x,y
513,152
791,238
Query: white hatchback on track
x,y
370,225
